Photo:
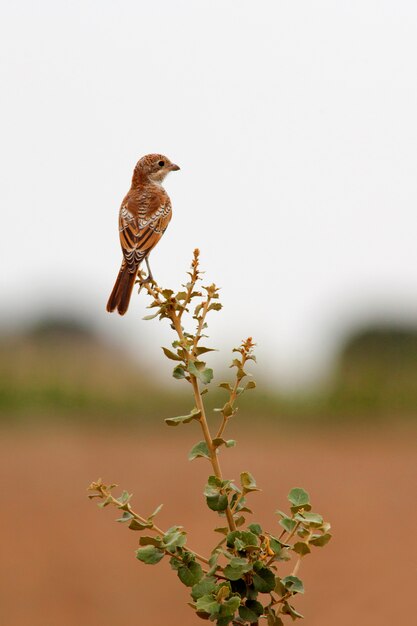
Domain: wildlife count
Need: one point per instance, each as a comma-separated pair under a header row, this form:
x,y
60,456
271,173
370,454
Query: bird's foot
x,y
146,281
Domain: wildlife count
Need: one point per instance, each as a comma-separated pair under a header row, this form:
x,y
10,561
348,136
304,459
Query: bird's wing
x,y
141,232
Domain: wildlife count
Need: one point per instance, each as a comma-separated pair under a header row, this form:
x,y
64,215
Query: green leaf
x,y
171,355
206,375
167,293
264,580
199,450
312,519
124,498
301,548
223,592
213,486
151,317
287,609
272,618
275,544
178,372
137,525
205,587
320,541
198,369
202,350
226,386
126,517
287,523
150,541
213,562
105,502
298,497
246,539
207,604
155,513
255,528
239,521
174,538
183,419
175,563
197,310
227,410
218,441
150,555
250,385
190,574
229,606
251,611
217,502
236,568
293,584
248,482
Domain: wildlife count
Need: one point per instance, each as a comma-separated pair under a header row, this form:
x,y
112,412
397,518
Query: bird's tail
x,y
122,290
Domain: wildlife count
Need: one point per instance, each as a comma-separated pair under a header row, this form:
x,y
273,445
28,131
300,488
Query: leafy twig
x,y
244,564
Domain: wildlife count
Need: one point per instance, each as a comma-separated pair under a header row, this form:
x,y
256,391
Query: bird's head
x,y
153,167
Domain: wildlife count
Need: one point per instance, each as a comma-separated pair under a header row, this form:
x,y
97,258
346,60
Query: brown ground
x,y
65,562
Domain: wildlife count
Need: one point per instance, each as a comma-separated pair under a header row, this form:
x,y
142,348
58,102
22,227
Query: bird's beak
x,y
174,168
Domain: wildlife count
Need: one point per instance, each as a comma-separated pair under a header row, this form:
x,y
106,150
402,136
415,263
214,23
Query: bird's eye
x,y
161,163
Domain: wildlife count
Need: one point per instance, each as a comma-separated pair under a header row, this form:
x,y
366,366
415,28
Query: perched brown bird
x,y
144,216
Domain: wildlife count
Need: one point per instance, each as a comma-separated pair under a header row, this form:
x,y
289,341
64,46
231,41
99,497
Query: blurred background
x,y
294,125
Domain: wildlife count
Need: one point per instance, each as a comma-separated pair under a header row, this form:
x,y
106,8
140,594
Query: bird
x,y
143,218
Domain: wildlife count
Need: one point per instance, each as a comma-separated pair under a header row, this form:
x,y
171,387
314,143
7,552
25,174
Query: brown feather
x,y
122,291
144,216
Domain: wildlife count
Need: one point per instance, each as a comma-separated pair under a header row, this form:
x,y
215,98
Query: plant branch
x,y
200,404
243,551
209,441
106,495
200,325
226,418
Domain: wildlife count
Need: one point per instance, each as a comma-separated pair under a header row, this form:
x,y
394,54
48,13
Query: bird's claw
x,y
146,281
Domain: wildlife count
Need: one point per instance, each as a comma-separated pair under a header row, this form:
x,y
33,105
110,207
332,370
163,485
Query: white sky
x,y
295,126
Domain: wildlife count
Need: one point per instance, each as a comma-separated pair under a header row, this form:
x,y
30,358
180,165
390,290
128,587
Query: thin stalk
x,y
203,419
225,418
232,398
200,325
209,441
238,499
296,566
153,528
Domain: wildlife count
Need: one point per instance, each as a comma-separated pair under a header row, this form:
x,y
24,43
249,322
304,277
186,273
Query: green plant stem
x,y
209,441
176,320
233,396
225,418
200,325
298,562
236,504
200,406
197,556
153,528
296,566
